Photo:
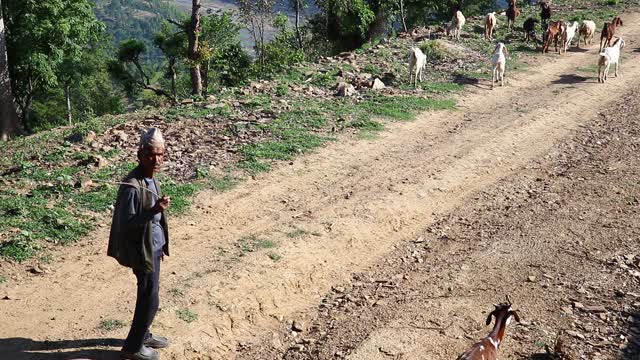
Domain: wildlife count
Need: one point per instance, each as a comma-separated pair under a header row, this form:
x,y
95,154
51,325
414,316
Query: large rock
x,y
377,84
345,89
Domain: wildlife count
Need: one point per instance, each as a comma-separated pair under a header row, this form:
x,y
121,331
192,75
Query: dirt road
x,y
250,261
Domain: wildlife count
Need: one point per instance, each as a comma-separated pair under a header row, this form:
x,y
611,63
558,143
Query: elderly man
x,y
139,239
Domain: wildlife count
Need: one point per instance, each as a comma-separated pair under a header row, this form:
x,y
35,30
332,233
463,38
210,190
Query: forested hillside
x,y
135,19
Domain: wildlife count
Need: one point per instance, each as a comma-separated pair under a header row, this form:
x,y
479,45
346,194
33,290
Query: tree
x,y
220,43
193,34
8,115
172,46
193,29
257,15
128,69
298,5
41,36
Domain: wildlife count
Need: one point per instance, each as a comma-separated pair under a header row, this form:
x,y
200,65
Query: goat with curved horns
x,y
487,348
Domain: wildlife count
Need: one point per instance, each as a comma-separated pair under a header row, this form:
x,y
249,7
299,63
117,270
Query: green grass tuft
x,y
110,324
186,315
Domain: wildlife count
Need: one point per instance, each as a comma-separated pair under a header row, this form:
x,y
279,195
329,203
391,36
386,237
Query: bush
x,y
282,52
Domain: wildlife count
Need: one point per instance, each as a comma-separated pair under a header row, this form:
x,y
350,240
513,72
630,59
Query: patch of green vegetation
x,y
186,315
180,194
110,324
274,256
46,259
3,279
224,183
297,233
175,292
372,69
436,51
588,69
325,79
254,166
194,112
252,243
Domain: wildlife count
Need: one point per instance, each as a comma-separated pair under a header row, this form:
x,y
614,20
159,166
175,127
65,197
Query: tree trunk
x,y
194,35
8,114
403,16
174,76
205,79
67,94
298,34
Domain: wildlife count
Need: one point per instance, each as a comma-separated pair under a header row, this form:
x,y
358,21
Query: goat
x,y
608,30
586,31
456,24
529,28
487,348
490,24
512,13
499,61
554,32
545,12
568,35
610,55
417,64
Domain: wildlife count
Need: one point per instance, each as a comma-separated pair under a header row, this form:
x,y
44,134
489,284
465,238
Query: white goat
x,y
586,31
417,64
456,24
499,61
608,56
568,35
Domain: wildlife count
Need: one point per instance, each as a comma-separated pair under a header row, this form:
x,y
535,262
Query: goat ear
x,y
489,317
515,315
506,52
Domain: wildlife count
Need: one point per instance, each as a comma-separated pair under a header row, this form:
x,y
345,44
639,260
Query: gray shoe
x,y
143,354
156,342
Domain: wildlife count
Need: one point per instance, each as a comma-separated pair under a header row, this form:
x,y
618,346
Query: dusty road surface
x,y
529,190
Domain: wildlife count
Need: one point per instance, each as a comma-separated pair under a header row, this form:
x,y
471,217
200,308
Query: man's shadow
x,y
28,349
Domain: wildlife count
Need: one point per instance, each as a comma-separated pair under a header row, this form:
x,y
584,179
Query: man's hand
x,y
161,205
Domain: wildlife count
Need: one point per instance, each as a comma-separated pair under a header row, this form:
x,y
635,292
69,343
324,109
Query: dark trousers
x,y
147,303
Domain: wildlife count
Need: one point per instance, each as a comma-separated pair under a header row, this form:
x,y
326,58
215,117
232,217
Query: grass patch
x,y
221,184
274,256
175,292
297,233
3,279
588,69
110,324
252,243
186,315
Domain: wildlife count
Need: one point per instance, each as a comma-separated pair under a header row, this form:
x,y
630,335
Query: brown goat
x,y
554,32
608,30
487,348
490,24
512,13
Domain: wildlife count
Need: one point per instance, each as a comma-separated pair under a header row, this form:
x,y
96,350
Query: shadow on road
x,y
28,349
572,79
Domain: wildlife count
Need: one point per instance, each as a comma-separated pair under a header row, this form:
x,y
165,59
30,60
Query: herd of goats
x,y
554,31
558,31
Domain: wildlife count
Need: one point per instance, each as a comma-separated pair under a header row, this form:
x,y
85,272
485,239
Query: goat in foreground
x,y
568,35
512,13
417,64
456,24
608,30
499,62
610,55
586,31
487,348
490,24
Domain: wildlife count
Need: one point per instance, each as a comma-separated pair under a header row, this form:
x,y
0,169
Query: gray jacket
x,y
131,237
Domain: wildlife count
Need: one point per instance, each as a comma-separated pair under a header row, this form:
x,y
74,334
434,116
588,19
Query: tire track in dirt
x,y
359,198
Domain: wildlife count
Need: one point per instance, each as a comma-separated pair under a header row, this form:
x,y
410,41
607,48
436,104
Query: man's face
x,y
151,158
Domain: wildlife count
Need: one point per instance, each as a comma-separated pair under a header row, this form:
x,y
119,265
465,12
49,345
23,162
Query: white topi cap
x,y
151,138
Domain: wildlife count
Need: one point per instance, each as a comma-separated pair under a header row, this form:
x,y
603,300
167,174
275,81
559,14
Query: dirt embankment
x,y
250,261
